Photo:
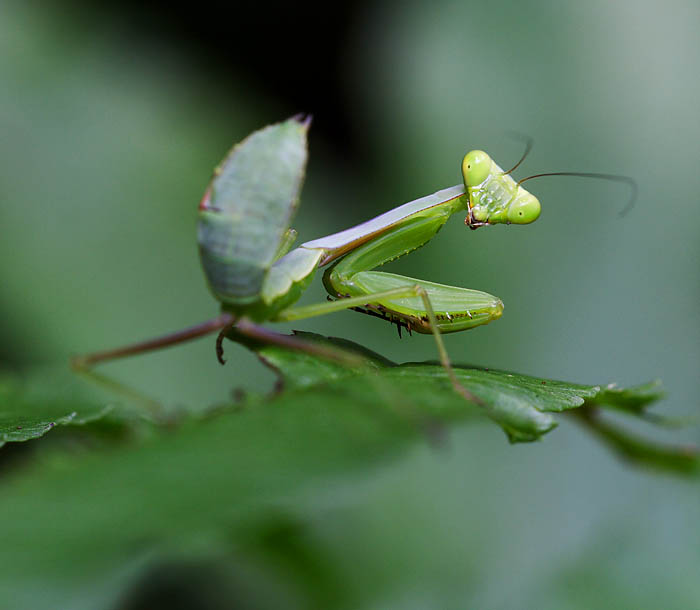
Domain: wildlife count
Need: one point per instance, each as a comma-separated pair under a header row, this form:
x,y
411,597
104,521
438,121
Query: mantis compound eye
x,y
476,167
524,210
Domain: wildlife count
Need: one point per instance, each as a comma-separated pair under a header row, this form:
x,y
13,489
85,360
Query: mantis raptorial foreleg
x,y
455,308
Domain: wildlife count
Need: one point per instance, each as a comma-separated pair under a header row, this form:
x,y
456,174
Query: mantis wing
x,y
248,207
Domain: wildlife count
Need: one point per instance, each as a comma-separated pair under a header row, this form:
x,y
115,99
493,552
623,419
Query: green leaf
x,y
46,399
632,400
520,404
683,460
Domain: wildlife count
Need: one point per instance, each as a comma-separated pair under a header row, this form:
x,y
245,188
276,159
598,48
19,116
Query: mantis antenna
x,y
613,177
529,141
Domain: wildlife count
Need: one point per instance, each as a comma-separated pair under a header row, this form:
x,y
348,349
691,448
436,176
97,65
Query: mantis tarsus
x,y
245,245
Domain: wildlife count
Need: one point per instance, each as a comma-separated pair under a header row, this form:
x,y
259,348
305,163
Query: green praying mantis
x,y
245,246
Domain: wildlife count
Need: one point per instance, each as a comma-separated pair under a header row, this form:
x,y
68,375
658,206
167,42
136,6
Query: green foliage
x,y
520,404
45,400
225,494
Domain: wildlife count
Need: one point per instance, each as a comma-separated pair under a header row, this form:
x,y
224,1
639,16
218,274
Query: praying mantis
x,y
246,250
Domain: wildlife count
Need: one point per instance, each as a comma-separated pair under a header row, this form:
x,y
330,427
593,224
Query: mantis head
x,y
494,197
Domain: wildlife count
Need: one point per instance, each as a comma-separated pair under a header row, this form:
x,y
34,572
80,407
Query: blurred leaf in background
x,y
111,119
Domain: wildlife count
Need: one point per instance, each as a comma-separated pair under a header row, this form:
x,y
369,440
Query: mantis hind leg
x,y
245,329
82,363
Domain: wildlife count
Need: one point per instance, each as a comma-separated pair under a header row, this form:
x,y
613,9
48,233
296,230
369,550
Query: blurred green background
x,y
112,119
